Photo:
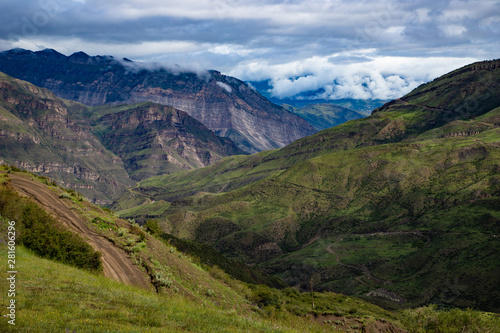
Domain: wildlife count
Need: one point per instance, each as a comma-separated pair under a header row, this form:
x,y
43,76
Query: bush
x,y
65,195
135,230
163,280
153,227
265,296
139,247
38,231
121,232
430,319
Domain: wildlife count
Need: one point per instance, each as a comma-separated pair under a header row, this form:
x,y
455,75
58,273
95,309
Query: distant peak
x,y
50,52
17,50
79,55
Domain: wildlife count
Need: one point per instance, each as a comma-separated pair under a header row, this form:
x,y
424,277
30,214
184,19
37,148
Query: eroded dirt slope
x,y
117,265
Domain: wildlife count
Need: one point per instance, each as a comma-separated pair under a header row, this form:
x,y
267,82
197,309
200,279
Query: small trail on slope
x,y
117,265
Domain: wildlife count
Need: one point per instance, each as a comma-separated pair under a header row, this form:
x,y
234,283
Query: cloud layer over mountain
x,y
361,49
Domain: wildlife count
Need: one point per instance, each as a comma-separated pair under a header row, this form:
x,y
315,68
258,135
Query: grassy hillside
x,y
399,208
74,300
191,293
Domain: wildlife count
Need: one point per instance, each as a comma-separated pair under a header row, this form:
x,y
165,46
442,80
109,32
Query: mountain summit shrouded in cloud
x,y
337,49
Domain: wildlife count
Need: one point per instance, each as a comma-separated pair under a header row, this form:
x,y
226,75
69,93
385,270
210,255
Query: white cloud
x,y
381,77
225,86
71,45
454,30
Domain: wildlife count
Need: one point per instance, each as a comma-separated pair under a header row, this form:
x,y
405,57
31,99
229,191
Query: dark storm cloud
x,y
319,42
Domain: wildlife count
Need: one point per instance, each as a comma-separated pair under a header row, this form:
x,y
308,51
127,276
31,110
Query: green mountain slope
x,y
400,207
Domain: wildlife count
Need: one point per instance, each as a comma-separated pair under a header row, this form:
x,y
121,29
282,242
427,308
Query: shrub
x,y
139,247
430,319
153,227
38,231
65,195
121,232
265,296
163,280
135,230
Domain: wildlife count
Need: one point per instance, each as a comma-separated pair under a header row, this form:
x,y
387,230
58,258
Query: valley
x,y
425,164
192,189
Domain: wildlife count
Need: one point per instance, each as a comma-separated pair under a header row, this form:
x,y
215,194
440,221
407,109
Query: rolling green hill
x,y
400,208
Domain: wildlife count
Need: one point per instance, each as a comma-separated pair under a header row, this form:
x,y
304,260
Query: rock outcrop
x,y
100,151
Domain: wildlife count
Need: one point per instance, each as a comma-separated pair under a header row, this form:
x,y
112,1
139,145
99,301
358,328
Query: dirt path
x,y
117,265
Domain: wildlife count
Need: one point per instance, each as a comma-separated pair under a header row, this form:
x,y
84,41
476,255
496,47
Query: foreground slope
x,y
116,263
222,103
191,294
401,206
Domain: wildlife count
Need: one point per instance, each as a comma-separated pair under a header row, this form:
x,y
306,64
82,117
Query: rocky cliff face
x,y
100,151
38,133
154,139
223,104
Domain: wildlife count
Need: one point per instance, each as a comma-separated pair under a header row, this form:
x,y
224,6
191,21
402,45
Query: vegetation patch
x,y
39,232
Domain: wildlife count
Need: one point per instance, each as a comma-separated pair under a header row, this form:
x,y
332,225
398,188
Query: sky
x,y
326,49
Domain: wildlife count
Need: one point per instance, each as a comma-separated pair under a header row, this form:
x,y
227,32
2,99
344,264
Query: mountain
x,y
39,133
153,139
400,208
222,103
323,116
100,151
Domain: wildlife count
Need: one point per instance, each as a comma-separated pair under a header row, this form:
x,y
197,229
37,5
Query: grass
x,y
151,210
432,320
54,297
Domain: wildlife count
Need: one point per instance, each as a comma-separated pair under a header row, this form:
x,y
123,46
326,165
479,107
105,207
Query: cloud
x,y
225,86
377,78
337,47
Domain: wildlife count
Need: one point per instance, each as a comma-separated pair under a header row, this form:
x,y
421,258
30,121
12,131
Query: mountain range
x,y
222,103
400,207
100,151
325,115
